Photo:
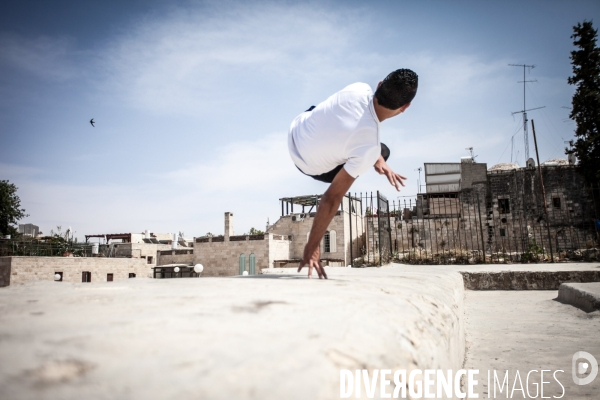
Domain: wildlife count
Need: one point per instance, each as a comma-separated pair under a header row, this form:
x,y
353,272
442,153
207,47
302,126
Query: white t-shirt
x,y
343,129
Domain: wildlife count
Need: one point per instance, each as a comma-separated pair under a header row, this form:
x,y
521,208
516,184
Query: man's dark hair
x,y
397,89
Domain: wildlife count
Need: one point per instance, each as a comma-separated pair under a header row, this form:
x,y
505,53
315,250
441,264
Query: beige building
x,y
283,243
147,245
15,270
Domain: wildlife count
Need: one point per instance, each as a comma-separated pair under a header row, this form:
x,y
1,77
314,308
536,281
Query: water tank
x,y
95,248
572,159
146,234
174,242
467,159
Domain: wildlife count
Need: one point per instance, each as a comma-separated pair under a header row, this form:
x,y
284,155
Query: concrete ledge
x,y
582,295
257,337
525,280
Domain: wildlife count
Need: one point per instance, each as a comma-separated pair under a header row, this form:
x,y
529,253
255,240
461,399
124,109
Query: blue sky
x,y
192,100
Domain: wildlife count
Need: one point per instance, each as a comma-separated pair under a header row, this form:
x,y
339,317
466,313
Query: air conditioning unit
x,y
298,217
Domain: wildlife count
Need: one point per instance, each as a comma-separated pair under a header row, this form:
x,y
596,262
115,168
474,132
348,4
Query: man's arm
x,y
383,168
328,206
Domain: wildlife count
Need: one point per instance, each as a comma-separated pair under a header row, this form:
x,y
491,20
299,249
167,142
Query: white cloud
x,y
239,166
189,60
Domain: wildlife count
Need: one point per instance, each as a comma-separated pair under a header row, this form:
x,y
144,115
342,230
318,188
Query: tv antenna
x,y
524,110
419,181
471,153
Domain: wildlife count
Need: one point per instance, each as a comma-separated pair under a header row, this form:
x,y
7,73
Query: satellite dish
x,y
530,163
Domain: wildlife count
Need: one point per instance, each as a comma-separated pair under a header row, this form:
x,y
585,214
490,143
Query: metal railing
x,y
474,227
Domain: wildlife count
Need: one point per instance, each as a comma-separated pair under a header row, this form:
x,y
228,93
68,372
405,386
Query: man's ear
x,y
379,84
404,107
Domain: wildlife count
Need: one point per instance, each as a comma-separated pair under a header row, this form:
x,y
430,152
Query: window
x,y
332,241
131,275
504,206
150,259
556,202
86,276
326,243
502,232
109,277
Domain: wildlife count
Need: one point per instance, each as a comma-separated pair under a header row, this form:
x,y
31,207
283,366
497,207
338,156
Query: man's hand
x,y
328,206
383,168
312,261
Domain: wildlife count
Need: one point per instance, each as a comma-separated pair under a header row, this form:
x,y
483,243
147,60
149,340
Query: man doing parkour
x,y
338,140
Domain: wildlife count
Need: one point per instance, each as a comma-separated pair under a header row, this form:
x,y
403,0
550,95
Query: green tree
x,y
10,208
254,231
585,109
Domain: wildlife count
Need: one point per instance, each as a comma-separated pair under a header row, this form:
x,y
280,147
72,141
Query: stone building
x,y
230,254
283,243
149,246
500,210
29,230
16,269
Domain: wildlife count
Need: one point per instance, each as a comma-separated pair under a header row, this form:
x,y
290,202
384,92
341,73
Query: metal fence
x,y
21,247
473,227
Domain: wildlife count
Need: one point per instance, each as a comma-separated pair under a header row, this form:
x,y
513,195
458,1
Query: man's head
x,y
397,89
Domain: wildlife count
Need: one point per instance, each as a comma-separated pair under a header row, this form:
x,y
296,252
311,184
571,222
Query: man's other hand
x,y
312,261
383,168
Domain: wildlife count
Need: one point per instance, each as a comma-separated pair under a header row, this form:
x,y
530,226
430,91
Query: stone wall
x,y
279,250
180,256
299,231
569,224
502,214
221,258
5,271
137,250
471,173
24,269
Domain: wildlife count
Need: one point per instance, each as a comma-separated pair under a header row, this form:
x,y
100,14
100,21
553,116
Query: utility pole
x,y
524,110
512,146
537,156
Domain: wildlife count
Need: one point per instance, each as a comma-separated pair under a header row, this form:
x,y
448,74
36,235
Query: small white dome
x,y
556,161
504,167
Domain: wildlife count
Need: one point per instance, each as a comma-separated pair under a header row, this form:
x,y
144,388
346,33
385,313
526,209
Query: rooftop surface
x,y
270,336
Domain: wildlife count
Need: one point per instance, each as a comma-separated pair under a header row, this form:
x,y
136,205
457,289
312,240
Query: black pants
x,y
327,177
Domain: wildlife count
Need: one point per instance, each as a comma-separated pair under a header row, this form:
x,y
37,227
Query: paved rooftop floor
x,y
529,330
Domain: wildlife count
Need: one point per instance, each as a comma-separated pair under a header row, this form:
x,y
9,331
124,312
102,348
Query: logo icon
x,y
580,368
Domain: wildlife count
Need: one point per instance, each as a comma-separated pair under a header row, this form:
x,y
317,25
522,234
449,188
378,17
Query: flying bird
x,y
92,122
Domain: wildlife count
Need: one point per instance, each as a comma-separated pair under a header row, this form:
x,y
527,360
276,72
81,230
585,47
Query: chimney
x,y
228,225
